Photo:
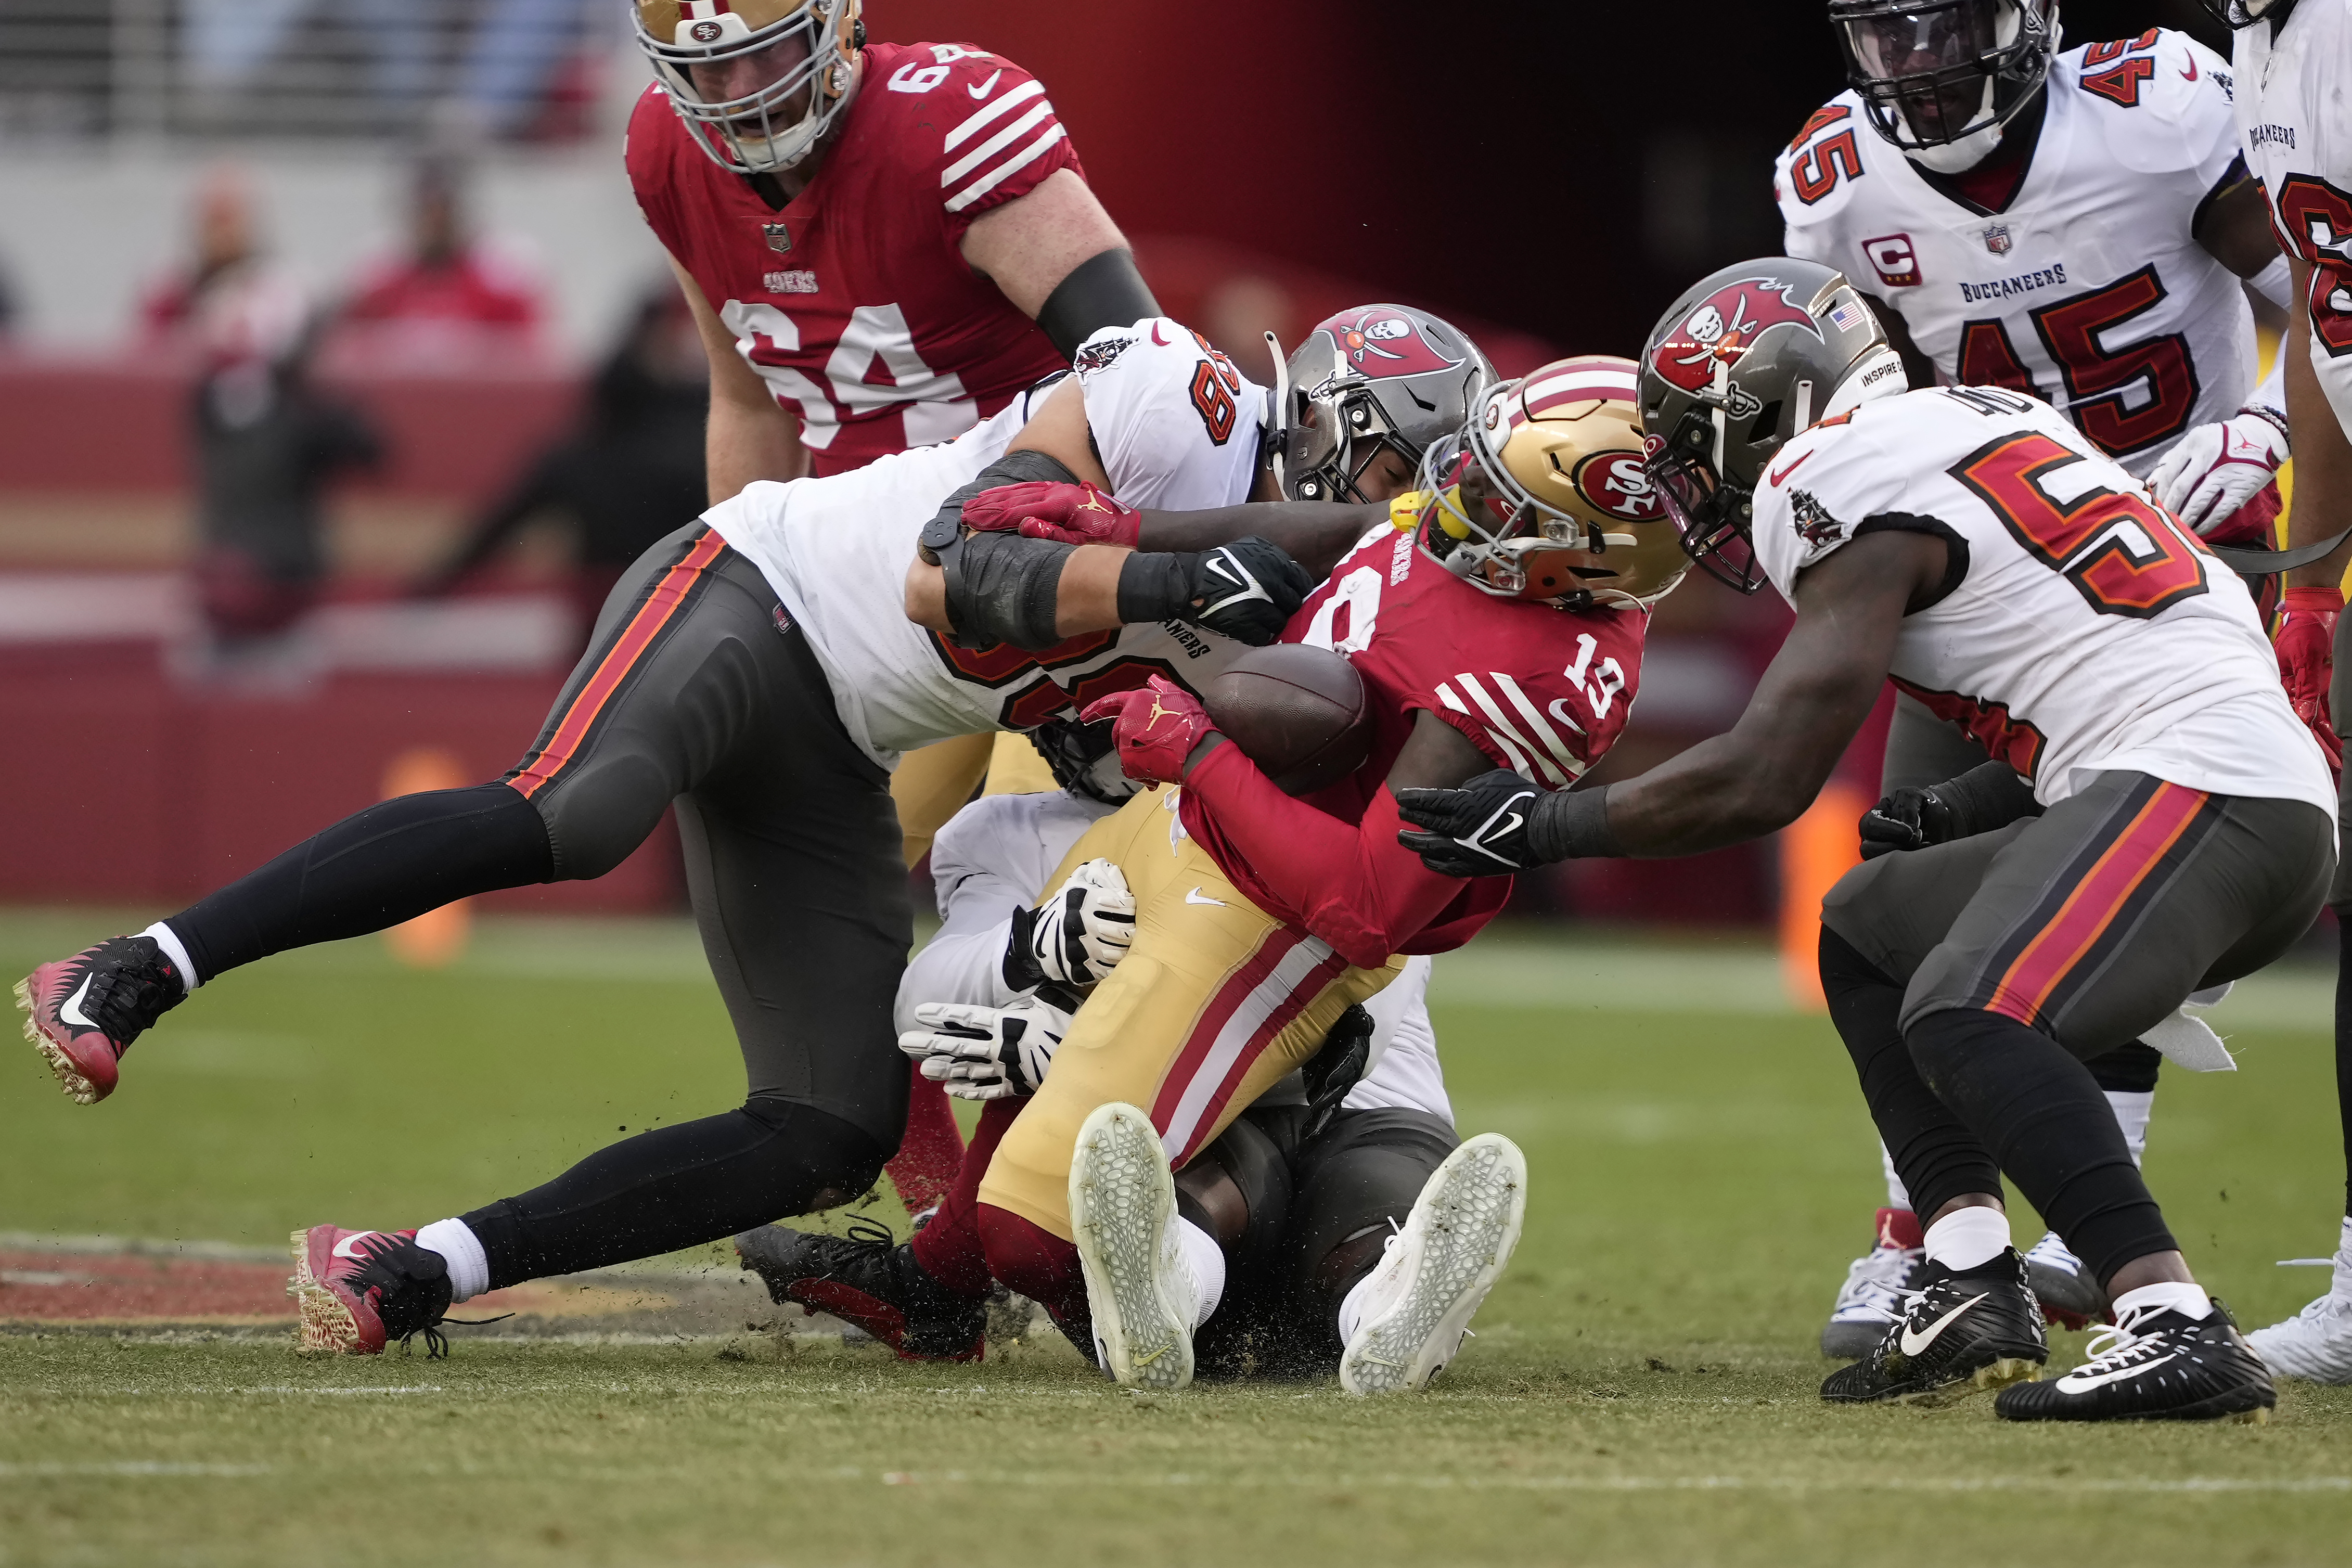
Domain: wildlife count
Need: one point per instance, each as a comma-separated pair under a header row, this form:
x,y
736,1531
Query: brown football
x,y
1298,713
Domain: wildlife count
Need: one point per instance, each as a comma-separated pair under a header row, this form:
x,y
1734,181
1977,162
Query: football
x,y
1298,713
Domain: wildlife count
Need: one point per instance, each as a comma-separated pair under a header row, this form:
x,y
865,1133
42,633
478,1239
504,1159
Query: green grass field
x,y
1641,1389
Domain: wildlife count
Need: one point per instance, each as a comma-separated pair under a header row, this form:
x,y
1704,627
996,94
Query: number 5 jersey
x,y
2088,290
2078,629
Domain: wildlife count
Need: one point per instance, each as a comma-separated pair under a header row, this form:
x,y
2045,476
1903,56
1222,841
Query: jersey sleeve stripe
x,y
996,144
963,133
1028,155
1500,727
1540,727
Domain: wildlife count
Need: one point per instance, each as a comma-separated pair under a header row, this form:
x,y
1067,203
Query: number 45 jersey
x,y
2079,627
2086,291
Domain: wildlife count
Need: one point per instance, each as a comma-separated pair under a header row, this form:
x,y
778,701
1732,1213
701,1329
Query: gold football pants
x,y
1215,1004
932,783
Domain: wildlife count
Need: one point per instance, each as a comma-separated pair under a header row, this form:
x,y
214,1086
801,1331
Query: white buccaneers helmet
x,y
771,126
1543,494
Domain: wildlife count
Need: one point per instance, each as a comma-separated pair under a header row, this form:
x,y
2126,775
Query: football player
x,y
2155,820
2075,226
760,668
2290,58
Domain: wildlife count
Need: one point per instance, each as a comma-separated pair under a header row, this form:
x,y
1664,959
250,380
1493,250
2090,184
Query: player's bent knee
x,y
814,1159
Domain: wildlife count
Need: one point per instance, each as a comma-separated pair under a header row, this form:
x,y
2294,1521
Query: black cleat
x,y
83,1012
1956,1335
2153,1365
868,1278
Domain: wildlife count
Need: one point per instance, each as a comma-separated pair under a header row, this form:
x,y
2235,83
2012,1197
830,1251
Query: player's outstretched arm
x,y
2323,504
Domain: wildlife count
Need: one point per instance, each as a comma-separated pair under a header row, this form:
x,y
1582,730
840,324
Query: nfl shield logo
x,y
779,238
1996,238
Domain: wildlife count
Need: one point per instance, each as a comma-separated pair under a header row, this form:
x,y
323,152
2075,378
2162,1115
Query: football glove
x,y
1247,590
2216,469
986,1053
1154,727
1906,819
1478,830
1987,797
1075,937
2306,658
1064,513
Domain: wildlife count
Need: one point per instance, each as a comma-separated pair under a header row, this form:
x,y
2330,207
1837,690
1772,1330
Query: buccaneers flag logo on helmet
x,y
1381,343
1723,327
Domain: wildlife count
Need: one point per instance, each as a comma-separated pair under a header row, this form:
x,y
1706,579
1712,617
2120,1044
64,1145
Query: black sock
x,y
375,868
2127,1069
2343,1045
678,1186
1933,1151
2040,1113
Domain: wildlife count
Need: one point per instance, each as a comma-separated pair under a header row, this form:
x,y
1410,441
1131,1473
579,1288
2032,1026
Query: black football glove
x,y
1906,819
1247,590
1988,796
1478,830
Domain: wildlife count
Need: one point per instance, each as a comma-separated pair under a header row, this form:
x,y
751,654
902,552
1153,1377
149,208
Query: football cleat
x,y
2154,1365
1958,1334
359,1289
1872,1296
1436,1271
1139,1288
2063,1284
869,1279
83,1012
2316,1344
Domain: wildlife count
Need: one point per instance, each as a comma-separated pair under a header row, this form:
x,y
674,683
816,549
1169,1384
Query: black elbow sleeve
x,y
1003,588
1103,290
1988,796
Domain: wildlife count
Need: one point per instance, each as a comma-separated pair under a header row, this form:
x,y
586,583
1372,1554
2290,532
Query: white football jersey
x,y
994,857
2086,291
1177,428
2087,631
2298,139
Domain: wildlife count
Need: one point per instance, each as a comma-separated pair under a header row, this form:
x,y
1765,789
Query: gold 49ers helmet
x,y
772,72
1543,495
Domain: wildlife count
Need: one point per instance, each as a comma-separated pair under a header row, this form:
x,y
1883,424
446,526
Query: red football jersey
x,y
1542,691
854,304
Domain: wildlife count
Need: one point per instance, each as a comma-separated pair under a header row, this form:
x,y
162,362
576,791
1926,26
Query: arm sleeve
x,y
1352,884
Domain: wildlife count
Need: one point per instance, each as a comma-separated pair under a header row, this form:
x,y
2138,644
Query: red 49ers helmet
x,y
1543,494
772,126
1371,379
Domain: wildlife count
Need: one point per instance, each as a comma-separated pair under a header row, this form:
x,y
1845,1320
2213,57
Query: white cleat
x,y
2063,1284
1140,1288
1436,1271
2316,1344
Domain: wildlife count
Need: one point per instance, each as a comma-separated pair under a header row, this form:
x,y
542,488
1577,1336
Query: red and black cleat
x,y
83,1012
359,1289
871,1280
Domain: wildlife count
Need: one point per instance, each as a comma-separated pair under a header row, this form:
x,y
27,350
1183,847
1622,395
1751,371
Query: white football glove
x,y
986,1053
2215,469
1075,937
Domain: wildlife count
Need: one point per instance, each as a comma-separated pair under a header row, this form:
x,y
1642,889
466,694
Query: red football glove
x,y
1159,724
1066,514
2306,656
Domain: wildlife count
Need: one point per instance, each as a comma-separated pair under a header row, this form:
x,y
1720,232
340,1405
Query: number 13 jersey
x,y
2088,290
2078,629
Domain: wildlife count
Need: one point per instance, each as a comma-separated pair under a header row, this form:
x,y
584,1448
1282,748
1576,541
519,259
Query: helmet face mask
x,y
2235,13
1937,73
786,67
1377,379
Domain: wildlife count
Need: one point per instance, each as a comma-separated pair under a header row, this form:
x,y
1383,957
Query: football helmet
x,y
771,126
1543,494
1939,79
1748,359
1372,379
2235,13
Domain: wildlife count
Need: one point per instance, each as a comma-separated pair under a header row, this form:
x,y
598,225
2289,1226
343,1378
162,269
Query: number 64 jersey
x,y
2088,290
2078,629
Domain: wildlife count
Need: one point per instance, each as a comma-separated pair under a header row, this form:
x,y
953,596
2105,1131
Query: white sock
x,y
169,941
1207,1260
469,1269
2132,1107
1897,1196
1965,1238
2341,1285
2189,1300
1352,1305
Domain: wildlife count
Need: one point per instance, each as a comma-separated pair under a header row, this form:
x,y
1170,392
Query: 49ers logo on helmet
x,y
1379,342
1723,327
1617,484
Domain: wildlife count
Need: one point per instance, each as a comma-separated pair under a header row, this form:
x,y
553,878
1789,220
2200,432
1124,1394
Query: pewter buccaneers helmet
x,y
771,127
1373,378
1748,359
1934,72
1543,494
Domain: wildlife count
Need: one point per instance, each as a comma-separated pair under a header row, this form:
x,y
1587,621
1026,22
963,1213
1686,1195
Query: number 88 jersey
x,y
2079,628
2088,290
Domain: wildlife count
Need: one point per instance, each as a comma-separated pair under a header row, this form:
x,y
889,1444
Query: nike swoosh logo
x,y
348,1246
1793,468
981,89
2190,74
1914,1343
1156,337
1198,897
71,1010
2075,1382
